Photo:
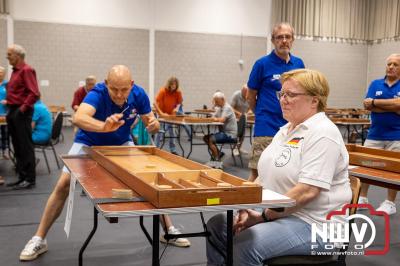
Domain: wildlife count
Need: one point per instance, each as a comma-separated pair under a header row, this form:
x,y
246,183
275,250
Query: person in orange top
x,y
168,101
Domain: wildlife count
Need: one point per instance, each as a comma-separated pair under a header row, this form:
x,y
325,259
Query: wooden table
x,y
180,124
359,125
97,182
376,177
203,112
375,166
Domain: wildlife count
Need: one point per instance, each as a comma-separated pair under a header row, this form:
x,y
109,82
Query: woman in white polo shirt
x,y
307,161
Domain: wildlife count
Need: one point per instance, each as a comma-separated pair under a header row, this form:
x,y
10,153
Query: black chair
x,y
55,138
236,143
326,260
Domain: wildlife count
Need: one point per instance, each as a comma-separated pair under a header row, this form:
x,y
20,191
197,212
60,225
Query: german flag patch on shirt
x,y
294,141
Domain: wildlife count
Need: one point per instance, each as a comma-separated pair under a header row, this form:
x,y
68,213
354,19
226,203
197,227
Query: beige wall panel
x,y
65,54
204,63
345,66
3,43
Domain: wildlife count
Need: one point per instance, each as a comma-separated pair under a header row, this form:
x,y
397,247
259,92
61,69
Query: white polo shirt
x,y
313,153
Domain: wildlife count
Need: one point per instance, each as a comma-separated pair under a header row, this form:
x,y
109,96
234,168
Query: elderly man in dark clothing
x,y
22,93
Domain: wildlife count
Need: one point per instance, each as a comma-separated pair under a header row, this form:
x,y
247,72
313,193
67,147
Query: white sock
x,y
37,238
171,228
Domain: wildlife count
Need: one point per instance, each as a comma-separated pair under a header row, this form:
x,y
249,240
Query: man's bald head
x,y
393,67
119,83
119,73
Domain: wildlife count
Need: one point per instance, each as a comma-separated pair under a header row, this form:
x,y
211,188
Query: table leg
x,y
156,240
145,231
362,134
251,134
191,140
229,238
179,140
348,133
95,221
163,125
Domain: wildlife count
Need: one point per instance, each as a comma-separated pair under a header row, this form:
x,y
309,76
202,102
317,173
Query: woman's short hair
x,y
172,80
313,82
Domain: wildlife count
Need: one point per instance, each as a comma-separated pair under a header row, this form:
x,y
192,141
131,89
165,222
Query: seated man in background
x,y
239,101
240,106
227,132
41,123
103,120
81,92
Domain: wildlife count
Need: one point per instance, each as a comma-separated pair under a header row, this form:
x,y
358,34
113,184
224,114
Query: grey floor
x,y
123,243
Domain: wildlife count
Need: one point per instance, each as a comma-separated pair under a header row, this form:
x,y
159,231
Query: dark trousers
x,y
4,138
20,131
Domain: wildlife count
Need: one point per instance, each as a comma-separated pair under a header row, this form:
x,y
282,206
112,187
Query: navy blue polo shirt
x,y
384,126
138,104
265,79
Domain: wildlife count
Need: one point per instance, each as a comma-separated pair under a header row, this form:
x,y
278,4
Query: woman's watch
x,y
264,216
373,103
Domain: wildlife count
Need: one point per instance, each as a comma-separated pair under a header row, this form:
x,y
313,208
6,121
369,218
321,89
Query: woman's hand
x,y
245,219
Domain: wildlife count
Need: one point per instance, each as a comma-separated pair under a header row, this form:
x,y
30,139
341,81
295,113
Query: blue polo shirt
x,y
41,134
3,94
265,79
384,126
138,104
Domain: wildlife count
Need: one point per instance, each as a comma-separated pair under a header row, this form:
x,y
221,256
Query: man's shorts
x,y
221,137
77,149
259,145
390,145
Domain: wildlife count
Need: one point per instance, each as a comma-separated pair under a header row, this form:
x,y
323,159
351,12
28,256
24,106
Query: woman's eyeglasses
x,y
289,95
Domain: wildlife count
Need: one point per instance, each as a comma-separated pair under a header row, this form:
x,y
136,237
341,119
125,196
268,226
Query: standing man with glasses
x,y
22,93
264,87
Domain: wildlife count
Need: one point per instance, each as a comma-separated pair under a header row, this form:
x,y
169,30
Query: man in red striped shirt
x,y
22,93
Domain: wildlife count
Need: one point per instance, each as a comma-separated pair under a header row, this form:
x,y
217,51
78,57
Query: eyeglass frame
x,y
290,95
282,37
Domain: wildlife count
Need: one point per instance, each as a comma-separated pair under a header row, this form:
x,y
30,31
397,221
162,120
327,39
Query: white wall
x,y
250,17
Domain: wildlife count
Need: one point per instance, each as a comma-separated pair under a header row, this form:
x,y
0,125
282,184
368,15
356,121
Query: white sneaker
x,y
33,249
212,163
219,165
362,200
179,242
387,206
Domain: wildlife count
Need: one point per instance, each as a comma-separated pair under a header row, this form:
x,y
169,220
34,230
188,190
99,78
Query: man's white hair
x,y
219,95
18,49
393,55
